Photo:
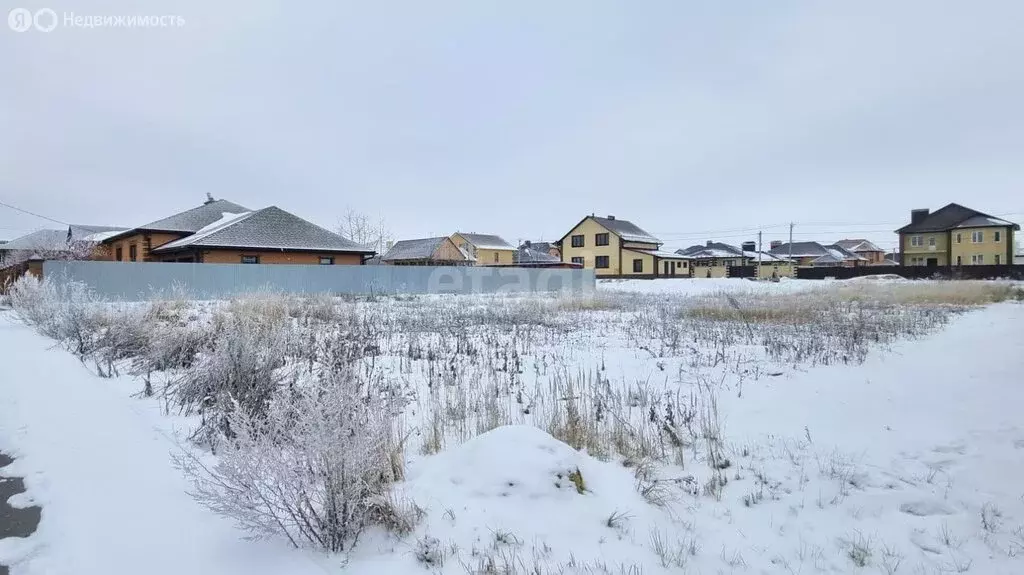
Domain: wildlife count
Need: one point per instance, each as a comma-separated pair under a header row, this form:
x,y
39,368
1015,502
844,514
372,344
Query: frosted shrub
x,y
65,311
313,468
241,370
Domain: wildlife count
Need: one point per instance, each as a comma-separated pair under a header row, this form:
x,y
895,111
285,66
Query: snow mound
x,y
517,490
878,277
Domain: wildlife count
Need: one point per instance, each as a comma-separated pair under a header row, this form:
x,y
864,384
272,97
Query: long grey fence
x,y
140,281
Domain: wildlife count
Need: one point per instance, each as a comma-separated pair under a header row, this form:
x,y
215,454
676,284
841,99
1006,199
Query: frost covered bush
x,y
65,311
313,467
241,370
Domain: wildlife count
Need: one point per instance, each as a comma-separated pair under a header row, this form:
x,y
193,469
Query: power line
x,y
17,209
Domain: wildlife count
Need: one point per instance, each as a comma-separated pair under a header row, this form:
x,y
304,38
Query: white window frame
x,y
978,259
998,237
931,241
978,237
916,241
959,238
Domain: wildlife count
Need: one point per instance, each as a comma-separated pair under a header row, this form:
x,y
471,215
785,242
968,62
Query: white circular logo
x,y
20,19
45,20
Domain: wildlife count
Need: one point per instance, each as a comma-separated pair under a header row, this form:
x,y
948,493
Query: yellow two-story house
x,y
613,247
489,250
956,236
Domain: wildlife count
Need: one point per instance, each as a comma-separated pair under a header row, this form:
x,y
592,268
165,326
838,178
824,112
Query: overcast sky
x,y
694,120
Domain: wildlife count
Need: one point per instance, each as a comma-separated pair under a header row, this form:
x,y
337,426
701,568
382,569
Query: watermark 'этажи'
x,y
47,20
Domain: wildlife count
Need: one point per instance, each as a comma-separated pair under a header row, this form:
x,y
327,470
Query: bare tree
x,y
71,249
363,230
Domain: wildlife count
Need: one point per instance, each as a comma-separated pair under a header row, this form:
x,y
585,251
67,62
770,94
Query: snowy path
x,y
112,501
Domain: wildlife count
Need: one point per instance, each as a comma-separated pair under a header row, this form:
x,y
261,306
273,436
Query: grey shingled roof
x,y
271,229
711,248
800,249
196,218
627,230
487,241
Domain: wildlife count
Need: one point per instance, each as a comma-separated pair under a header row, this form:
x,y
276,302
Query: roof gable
x,y
423,249
800,250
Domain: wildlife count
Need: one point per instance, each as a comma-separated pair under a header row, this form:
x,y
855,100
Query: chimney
x,y
209,199
749,246
611,217
774,244
917,216
709,243
527,244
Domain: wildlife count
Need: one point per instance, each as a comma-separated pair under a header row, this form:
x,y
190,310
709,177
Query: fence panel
x,y
916,272
139,281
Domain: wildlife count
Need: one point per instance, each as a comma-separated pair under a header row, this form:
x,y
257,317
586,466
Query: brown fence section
x,y
1015,272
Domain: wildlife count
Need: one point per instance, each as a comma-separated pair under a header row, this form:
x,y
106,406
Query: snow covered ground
x,y
909,462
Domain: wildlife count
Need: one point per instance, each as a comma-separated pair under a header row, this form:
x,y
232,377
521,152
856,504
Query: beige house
x,y
486,249
619,248
956,236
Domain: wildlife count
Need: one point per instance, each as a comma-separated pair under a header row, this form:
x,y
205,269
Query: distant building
x,y
614,247
956,236
439,251
486,249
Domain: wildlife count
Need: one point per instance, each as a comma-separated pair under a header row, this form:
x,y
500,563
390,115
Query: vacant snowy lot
x,y
704,426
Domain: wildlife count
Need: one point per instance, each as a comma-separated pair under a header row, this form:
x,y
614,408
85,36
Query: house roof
x,y
533,255
858,246
541,246
800,250
56,240
193,220
419,249
843,253
952,216
829,258
270,229
625,229
985,221
711,250
487,241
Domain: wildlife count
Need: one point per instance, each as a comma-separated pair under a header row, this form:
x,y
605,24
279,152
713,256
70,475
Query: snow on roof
x,y
225,220
983,221
56,240
196,218
858,245
487,241
532,255
270,228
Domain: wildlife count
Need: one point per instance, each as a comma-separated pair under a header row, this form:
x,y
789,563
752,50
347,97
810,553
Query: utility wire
x,y
17,209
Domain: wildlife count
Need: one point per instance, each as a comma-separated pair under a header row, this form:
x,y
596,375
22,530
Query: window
x,y
685,264
325,260
578,261
638,266
117,254
977,237
958,260
931,241
978,259
997,259
959,238
600,239
250,259
495,257
916,241
601,262
577,241
131,252
996,237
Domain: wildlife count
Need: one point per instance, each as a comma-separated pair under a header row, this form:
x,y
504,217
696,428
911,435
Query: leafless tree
x,y
364,230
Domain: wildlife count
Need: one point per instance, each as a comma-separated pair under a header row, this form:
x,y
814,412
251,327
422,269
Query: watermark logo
x,y
47,20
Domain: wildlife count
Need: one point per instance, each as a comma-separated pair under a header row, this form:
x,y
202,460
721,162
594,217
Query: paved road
x,y
14,522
